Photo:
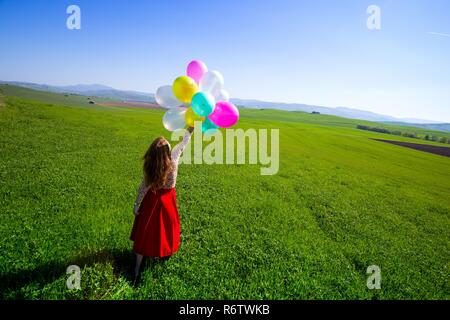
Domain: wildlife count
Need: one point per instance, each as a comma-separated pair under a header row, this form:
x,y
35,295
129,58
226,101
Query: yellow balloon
x,y
190,116
184,88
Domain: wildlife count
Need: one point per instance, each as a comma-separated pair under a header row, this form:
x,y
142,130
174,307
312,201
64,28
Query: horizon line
x,y
248,99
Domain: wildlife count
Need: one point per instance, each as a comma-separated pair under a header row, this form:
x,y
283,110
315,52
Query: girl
x,y
156,228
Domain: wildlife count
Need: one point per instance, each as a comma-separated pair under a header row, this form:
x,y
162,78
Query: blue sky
x,y
314,52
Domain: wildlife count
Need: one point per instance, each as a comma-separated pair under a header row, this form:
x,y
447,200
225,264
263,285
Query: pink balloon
x,y
225,114
196,69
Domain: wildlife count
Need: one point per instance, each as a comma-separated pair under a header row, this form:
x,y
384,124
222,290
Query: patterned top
x,y
172,175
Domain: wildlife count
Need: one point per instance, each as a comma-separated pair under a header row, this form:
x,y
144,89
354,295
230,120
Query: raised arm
x,y
179,148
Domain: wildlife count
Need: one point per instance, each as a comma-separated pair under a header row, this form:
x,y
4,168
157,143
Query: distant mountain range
x,y
339,111
99,90
94,90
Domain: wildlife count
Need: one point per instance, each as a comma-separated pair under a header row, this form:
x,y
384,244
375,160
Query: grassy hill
x,y
429,126
50,97
329,120
340,203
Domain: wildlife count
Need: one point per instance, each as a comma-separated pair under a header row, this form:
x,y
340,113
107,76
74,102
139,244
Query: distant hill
x,y
339,111
95,90
429,126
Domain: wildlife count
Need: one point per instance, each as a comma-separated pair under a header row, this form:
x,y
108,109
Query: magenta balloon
x,y
196,69
225,114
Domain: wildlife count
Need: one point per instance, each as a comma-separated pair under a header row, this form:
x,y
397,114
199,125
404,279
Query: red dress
x,y
156,229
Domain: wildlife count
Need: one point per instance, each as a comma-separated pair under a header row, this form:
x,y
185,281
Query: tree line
x,y
428,137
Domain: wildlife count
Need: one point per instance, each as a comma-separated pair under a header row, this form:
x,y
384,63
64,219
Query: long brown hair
x,y
157,164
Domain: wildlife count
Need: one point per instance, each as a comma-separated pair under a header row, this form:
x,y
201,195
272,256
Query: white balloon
x,y
165,98
223,95
212,82
174,118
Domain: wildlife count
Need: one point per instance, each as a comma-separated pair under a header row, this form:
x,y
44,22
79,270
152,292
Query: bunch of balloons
x,y
197,96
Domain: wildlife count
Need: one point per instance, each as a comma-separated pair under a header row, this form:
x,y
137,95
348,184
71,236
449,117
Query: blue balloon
x,y
203,104
209,127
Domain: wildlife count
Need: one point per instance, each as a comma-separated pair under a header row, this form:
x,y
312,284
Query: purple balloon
x,y
196,69
225,114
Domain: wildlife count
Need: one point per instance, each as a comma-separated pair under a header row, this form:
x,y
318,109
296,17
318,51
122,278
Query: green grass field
x,y
339,203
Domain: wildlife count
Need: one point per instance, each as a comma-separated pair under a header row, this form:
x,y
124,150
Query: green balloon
x,y
209,127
